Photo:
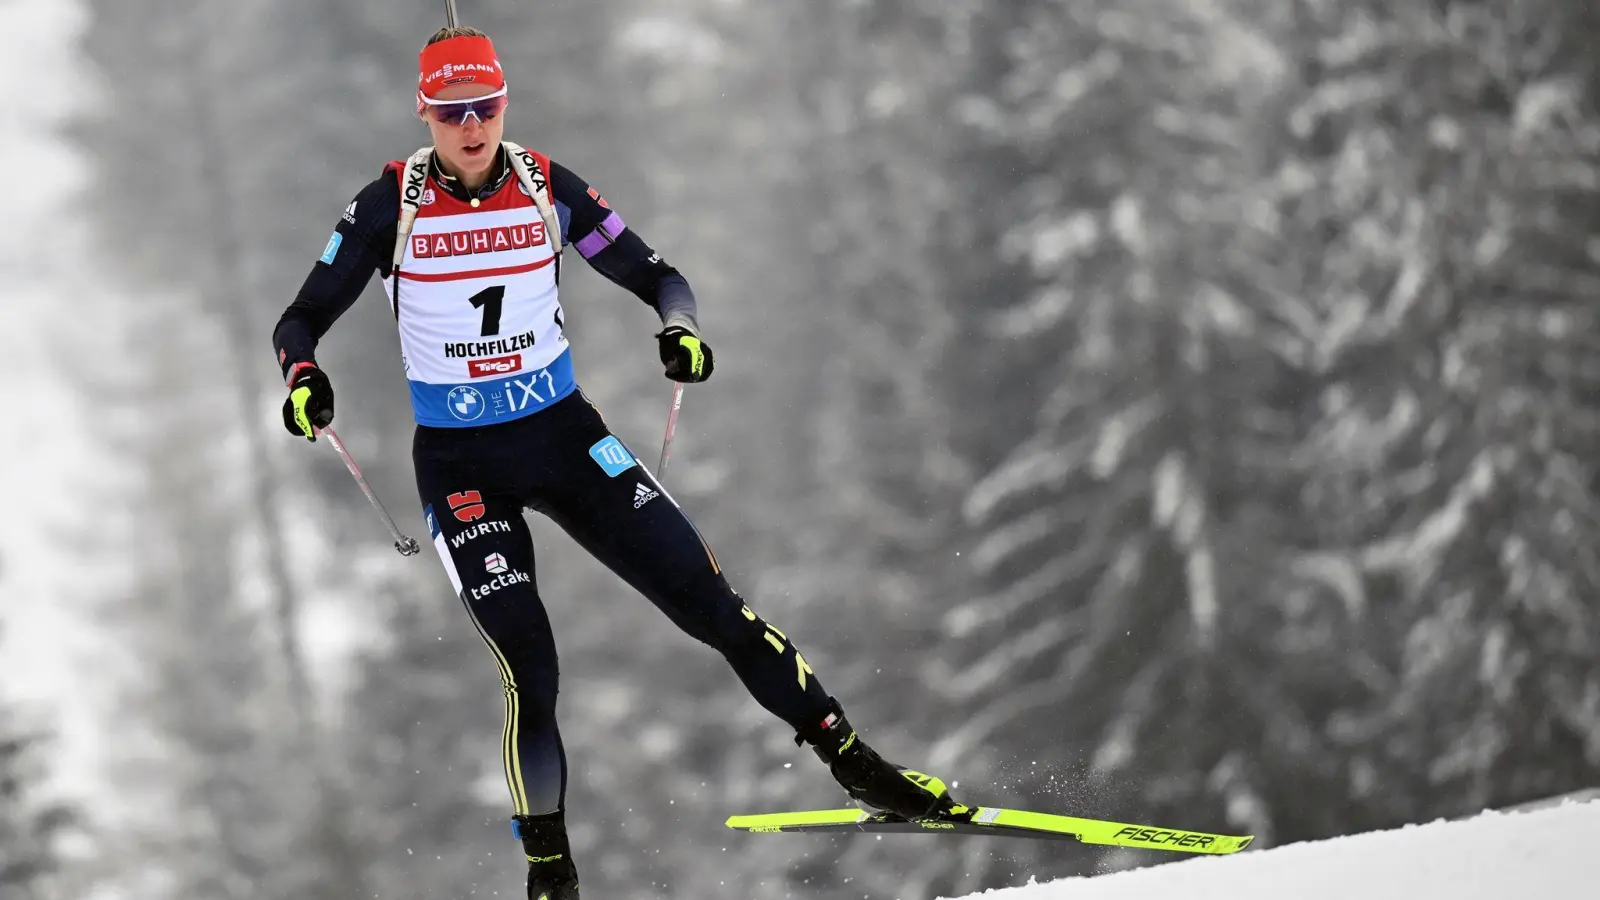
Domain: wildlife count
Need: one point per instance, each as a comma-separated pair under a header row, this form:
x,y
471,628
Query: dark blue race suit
x,y
474,483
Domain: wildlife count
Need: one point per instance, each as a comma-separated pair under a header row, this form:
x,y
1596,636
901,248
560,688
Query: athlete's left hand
x,y
686,357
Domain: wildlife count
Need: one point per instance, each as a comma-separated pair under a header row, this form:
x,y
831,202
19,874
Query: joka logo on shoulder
x,y
467,505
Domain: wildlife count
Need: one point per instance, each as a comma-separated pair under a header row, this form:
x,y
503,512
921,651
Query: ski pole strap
x,y
414,186
532,176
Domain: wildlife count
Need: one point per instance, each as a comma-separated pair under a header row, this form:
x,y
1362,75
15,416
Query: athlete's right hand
x,y
310,402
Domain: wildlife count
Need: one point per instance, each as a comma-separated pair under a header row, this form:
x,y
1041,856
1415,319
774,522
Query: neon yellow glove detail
x,y
309,405
685,356
697,355
298,397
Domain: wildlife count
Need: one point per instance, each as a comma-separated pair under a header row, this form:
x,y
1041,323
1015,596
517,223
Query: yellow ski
x,y
989,820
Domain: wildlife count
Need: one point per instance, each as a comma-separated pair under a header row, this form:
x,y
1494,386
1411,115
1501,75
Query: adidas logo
x,y
350,212
642,495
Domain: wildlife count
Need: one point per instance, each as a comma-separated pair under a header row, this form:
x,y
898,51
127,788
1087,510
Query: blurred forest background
x,y
1182,412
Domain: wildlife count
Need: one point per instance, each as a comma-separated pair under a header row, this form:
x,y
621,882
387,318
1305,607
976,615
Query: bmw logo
x,y
465,402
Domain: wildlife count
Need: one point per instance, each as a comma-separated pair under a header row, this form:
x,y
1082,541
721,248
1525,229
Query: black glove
x,y
687,358
310,402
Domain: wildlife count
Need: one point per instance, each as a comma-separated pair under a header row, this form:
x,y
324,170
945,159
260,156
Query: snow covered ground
x,y
1533,855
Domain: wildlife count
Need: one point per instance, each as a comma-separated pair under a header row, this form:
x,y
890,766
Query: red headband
x,y
458,60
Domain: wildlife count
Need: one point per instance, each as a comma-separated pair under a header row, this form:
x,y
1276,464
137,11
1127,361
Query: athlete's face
x,y
467,148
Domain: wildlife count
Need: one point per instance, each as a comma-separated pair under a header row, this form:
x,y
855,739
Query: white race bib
x,y
478,310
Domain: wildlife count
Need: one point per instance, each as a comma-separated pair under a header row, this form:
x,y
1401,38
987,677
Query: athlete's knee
x,y
533,680
712,612
510,618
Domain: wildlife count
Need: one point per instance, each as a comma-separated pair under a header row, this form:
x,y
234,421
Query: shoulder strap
x,y
413,181
533,178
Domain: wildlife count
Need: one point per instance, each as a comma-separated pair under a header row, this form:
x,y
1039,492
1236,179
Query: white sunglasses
x,y
455,112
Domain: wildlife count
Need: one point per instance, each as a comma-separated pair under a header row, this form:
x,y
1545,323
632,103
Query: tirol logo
x,y
480,240
642,494
495,563
465,402
499,365
467,505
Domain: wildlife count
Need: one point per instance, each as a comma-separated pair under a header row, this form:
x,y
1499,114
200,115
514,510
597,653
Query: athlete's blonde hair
x,y
446,33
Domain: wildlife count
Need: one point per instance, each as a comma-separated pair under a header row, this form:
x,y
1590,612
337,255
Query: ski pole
x,y
450,13
672,426
406,546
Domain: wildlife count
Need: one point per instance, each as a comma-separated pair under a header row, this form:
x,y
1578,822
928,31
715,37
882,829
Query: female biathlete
x,y
469,235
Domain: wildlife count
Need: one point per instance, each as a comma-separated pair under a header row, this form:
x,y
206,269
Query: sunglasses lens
x,y
457,113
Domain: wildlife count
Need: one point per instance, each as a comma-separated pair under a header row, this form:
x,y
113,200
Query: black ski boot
x,y
871,779
551,873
